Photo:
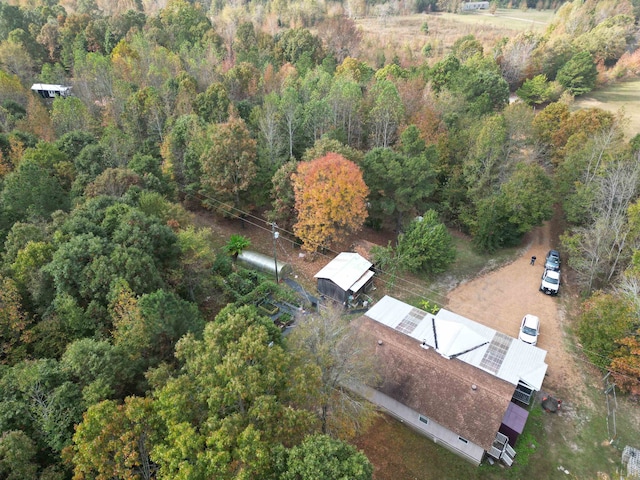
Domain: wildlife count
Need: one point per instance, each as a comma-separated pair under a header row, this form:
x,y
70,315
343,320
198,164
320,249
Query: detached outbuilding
x,y
263,263
347,275
47,90
472,6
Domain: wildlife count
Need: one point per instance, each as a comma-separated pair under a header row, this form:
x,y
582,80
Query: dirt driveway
x,y
498,299
502,297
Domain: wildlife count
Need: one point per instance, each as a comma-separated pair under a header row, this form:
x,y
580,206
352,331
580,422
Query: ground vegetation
x,y
131,341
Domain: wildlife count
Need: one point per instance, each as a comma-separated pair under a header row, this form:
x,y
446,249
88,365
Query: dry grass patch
x,y
402,35
623,96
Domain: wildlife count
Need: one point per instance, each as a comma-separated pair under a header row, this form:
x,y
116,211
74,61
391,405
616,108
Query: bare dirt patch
x,y
287,249
499,299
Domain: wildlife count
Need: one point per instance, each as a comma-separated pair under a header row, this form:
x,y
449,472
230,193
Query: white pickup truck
x,y
550,282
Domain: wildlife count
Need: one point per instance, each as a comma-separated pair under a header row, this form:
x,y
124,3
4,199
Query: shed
x,y
263,263
47,90
515,418
349,274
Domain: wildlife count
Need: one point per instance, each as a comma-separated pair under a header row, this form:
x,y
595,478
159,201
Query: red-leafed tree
x,y
330,200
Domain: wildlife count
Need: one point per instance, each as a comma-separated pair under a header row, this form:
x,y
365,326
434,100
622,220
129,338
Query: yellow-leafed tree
x,y
330,197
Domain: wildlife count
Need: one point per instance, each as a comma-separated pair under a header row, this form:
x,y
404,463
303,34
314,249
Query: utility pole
x,y
275,253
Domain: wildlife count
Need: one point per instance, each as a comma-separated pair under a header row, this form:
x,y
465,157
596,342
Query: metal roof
x,y
264,263
50,87
454,336
347,271
454,394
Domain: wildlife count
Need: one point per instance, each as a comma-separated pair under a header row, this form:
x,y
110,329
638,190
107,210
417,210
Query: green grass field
x,y
574,441
514,19
624,96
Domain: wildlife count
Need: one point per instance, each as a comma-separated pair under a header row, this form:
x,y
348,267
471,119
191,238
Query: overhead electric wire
x,y
425,292
246,214
243,215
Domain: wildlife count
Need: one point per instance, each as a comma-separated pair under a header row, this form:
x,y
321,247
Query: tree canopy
x,y
330,200
115,288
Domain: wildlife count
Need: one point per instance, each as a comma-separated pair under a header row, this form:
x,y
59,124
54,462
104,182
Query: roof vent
x,y
379,342
474,387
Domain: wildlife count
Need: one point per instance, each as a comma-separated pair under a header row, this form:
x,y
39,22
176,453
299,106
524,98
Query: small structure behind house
x,y
345,277
450,378
631,458
263,263
47,90
473,6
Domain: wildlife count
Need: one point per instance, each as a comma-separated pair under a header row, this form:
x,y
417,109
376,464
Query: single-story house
x,y
451,379
471,6
47,90
347,275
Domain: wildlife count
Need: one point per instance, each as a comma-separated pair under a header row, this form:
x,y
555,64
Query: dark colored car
x,y
552,262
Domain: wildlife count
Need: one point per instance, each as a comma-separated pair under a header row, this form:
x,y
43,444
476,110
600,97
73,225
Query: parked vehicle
x,y
550,282
552,262
530,329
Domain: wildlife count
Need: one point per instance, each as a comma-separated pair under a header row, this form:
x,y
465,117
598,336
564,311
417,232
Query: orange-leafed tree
x,y
14,323
330,197
625,367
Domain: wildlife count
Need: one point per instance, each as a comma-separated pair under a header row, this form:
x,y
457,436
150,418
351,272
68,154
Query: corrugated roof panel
x,y
486,349
345,270
521,361
389,311
360,283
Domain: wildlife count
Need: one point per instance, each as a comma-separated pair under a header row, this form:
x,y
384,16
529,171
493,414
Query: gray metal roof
x,y
346,270
264,263
454,336
50,87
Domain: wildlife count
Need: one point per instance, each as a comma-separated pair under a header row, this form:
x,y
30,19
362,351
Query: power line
x,y
615,372
243,215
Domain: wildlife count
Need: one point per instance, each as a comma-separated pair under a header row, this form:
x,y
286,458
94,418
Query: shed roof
x,y
346,270
439,388
454,336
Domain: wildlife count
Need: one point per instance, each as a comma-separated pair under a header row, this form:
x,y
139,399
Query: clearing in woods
x,y
576,439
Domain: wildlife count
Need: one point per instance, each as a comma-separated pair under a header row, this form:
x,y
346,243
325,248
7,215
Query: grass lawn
x,y
506,18
469,263
575,441
623,95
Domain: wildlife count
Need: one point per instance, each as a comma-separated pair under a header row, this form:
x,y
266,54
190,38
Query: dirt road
x,y
498,299
501,298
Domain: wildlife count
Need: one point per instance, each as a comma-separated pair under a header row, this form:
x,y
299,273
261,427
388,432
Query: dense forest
x,y
133,348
